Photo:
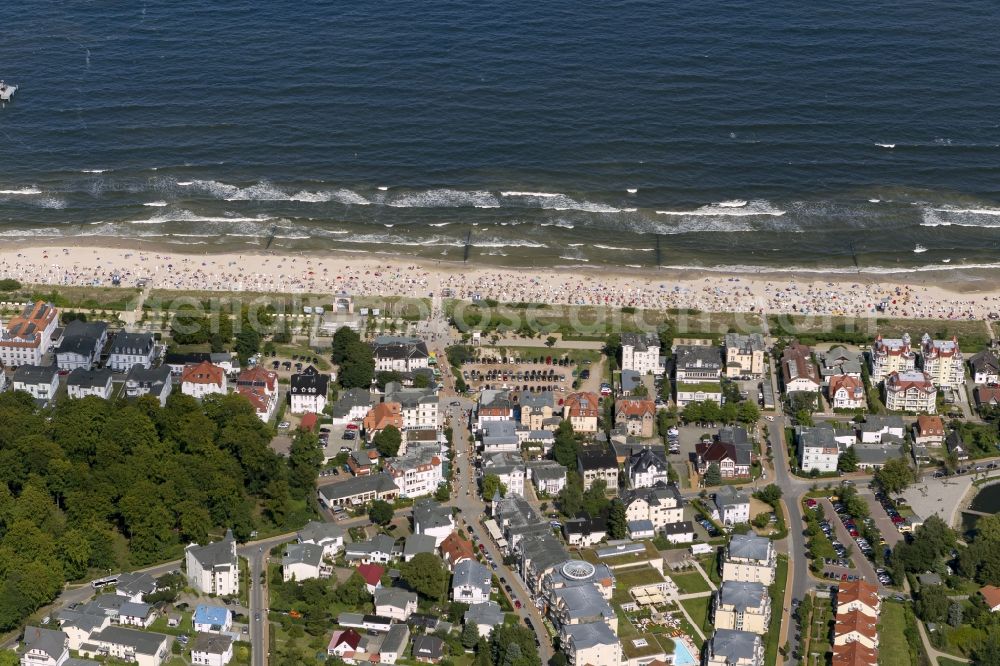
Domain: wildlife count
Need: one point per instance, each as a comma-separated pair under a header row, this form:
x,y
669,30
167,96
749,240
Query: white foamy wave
x,y
439,224
562,224
185,183
624,249
93,170
543,195
886,145
33,233
556,201
53,203
568,258
23,190
726,208
188,216
155,204
988,218
506,243
575,244
377,239
444,198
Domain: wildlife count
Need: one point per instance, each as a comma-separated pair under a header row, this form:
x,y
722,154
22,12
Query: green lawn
x,y
185,627
690,582
629,578
777,591
625,628
945,661
893,647
698,609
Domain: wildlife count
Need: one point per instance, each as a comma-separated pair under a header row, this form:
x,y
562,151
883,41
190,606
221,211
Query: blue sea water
x,y
825,136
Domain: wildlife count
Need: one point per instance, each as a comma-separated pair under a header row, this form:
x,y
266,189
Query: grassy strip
x,y
698,608
690,583
777,592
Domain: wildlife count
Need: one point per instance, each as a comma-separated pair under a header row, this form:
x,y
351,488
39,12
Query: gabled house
x,y
877,426
28,335
304,561
434,519
985,367
81,344
509,467
327,536
583,410
418,472
380,549
203,379
363,462
484,616
494,405
646,468
859,596
846,392
641,353
744,355
638,416
855,627
308,391
470,583
359,490
730,450
428,649
381,416
585,532
395,603
928,431
732,506
155,382
41,382
416,544
212,619
839,362
818,449
264,404
44,647
351,406
135,586
211,650
987,396
213,568
593,464
956,445
910,392
536,408
498,436
661,504
131,349
80,383
372,575
697,363
798,372
455,549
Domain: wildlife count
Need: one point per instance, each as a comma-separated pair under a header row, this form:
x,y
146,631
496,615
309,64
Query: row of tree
x,y
93,485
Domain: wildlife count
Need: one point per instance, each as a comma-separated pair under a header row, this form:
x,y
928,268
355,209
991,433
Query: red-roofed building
x,y
454,549
854,654
638,416
929,430
847,392
910,392
582,409
991,595
381,416
858,595
264,404
855,626
372,573
343,642
308,422
27,335
987,395
201,379
258,379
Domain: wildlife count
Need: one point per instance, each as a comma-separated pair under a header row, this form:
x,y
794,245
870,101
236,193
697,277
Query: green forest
x,y
92,486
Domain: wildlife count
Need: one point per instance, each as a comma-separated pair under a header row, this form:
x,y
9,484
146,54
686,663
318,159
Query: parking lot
x,y
336,439
531,374
886,524
862,564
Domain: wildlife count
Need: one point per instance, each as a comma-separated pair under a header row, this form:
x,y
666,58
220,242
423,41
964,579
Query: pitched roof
x,y
930,425
854,387
645,459
35,374
372,573
211,643
258,377
597,459
735,646
395,597
855,621
743,596
455,548
907,381
49,641
309,382
469,573
630,408
991,594
134,344
854,653
317,532
419,543
89,378
582,404
203,373
858,590
749,546
216,553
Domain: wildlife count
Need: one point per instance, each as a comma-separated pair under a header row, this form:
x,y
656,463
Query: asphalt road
x,y
466,499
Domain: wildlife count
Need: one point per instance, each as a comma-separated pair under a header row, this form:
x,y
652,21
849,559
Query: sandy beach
x,y
857,295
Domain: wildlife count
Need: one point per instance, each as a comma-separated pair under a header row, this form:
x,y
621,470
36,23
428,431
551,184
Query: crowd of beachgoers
x,y
330,274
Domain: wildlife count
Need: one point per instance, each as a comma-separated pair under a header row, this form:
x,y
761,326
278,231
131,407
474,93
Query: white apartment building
x,y
28,335
818,449
890,355
641,353
131,349
213,568
910,392
419,471
942,361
